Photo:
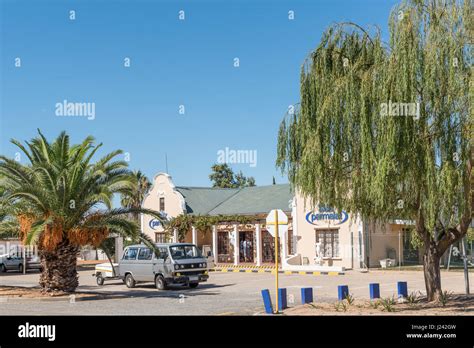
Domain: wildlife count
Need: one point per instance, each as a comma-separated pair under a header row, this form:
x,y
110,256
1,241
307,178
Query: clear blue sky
x,y
173,62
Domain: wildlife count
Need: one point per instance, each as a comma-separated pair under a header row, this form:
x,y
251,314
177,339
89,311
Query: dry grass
x,y
456,305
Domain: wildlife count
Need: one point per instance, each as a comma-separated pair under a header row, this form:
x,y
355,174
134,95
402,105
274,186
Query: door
x,y
246,246
223,248
144,267
13,262
159,262
127,264
268,247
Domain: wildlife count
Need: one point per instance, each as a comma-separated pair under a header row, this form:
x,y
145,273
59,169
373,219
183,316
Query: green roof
x,y
201,200
245,201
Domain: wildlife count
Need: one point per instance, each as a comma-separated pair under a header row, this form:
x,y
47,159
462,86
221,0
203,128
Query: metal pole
x,y
466,273
399,250
449,256
24,259
276,260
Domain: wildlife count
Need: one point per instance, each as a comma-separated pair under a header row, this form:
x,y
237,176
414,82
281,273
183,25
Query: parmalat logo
x,y
326,214
154,223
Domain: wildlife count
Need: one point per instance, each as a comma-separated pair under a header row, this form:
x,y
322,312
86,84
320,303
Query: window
x,y
163,253
160,237
130,254
162,203
223,242
145,254
329,240
185,252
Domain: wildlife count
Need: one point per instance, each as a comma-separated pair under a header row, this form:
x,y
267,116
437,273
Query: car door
x,y
144,265
167,264
8,262
159,262
13,262
127,264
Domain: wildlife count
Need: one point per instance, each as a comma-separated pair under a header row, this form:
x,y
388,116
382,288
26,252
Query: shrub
x,y
388,304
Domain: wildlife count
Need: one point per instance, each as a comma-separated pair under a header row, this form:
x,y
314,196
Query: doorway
x,y
246,246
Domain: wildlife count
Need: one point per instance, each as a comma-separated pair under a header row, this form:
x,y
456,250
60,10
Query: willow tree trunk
x,y
59,268
432,273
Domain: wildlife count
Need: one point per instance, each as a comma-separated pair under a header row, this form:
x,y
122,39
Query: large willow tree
x,y
383,130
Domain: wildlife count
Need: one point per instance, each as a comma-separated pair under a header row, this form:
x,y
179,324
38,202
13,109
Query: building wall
x,y
359,243
174,202
306,236
384,242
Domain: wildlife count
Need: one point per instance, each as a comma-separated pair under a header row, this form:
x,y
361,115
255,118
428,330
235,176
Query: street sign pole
x,y
277,220
276,261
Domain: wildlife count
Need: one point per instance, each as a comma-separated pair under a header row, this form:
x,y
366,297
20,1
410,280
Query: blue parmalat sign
x,y
154,223
326,214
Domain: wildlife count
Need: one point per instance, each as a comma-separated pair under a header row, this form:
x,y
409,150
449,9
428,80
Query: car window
x,y
145,254
185,252
163,253
130,254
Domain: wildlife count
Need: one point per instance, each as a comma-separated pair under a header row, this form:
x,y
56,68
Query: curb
x,y
272,271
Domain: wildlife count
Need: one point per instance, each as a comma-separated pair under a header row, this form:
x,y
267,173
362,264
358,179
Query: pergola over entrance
x,y
240,243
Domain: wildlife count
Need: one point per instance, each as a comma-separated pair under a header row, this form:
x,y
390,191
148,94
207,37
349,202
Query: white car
x,y
15,262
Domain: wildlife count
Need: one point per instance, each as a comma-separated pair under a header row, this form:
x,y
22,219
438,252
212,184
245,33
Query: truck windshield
x,y
179,252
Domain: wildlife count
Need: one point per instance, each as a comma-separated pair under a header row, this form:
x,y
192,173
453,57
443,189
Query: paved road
x,y
223,294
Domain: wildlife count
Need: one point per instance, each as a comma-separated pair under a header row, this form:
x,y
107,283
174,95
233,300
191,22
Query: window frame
x,y
328,235
126,253
150,254
162,203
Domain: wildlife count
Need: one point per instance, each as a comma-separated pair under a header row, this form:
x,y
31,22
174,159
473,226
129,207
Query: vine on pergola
x,y
203,223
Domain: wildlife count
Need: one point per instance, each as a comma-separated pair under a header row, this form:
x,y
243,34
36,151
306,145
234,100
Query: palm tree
x,y
133,197
62,200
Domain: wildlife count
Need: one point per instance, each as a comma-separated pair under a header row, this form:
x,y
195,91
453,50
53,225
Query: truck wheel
x,y
129,281
193,285
160,282
100,280
3,269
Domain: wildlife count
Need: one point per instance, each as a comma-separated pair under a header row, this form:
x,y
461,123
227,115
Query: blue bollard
x,y
342,292
306,295
402,289
282,303
374,290
267,301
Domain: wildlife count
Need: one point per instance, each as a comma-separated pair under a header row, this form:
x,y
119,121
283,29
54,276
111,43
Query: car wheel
x,y
20,268
129,281
100,280
160,283
3,269
193,285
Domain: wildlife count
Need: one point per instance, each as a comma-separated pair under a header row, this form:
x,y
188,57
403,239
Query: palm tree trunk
x,y
59,268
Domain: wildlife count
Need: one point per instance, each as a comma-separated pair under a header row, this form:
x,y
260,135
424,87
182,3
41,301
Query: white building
x,y
317,239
